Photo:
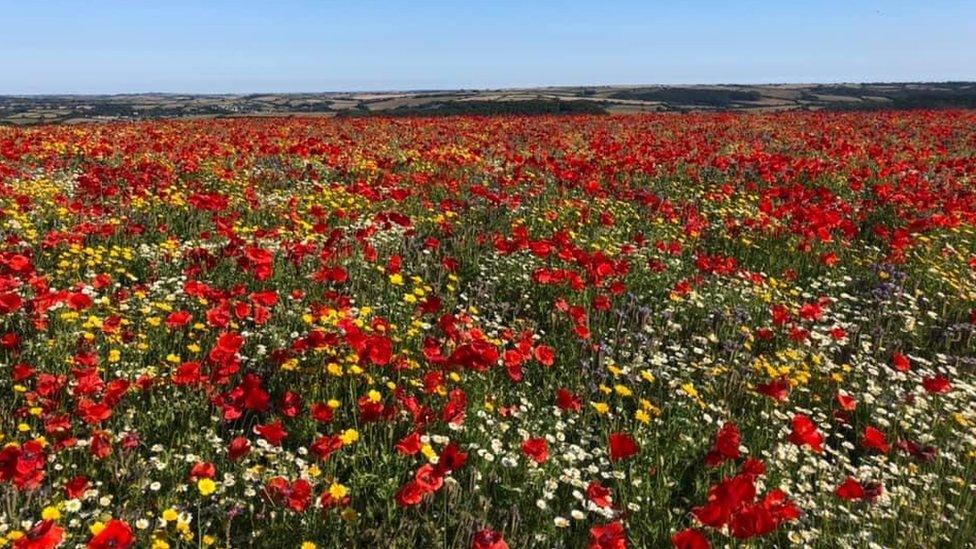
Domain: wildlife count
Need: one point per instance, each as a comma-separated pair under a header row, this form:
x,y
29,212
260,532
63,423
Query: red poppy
x,y
937,384
203,469
568,401
901,362
608,536
410,494
10,302
778,389
428,478
727,442
545,355
295,495
238,448
24,466
690,539
488,539
850,489
622,446
115,535
79,301
76,487
846,402
875,439
537,449
325,446
321,412
598,494
273,432
178,319
43,535
805,433
410,444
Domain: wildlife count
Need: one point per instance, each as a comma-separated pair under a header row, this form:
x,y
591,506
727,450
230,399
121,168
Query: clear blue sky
x,y
109,46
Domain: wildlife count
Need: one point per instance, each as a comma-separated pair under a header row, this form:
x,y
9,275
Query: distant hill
x,y
528,101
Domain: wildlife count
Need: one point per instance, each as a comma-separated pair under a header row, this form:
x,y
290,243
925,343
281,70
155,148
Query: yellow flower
x,y
338,491
396,279
206,486
642,416
349,436
623,390
600,407
170,515
50,513
159,544
375,396
308,545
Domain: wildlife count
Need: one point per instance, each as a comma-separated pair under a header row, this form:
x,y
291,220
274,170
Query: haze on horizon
x,y
65,46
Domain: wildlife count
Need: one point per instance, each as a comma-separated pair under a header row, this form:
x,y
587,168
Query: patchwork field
x,y
577,331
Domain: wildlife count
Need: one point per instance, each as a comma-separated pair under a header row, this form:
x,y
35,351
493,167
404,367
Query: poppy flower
x,y
778,390
598,494
409,445
178,319
937,384
608,536
238,448
622,446
203,469
429,478
690,539
568,401
79,301
537,449
410,494
76,487
10,302
846,402
325,446
273,432
295,495
726,447
321,412
850,489
805,433
901,362
875,439
488,539
545,355
451,458
115,535
46,534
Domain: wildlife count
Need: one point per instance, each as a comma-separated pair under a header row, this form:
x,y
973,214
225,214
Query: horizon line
x,y
501,88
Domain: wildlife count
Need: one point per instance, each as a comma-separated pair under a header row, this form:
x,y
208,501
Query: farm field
x,y
711,329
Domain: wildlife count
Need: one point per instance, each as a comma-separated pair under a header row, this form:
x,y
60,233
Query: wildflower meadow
x,y
698,330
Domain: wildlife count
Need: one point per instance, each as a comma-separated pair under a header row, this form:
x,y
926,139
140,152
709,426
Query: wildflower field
x,y
583,331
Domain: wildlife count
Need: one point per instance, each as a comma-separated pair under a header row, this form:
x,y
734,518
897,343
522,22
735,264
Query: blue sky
x,y
109,46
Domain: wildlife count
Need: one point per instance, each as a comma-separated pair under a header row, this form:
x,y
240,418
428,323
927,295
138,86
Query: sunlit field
x,y
581,331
